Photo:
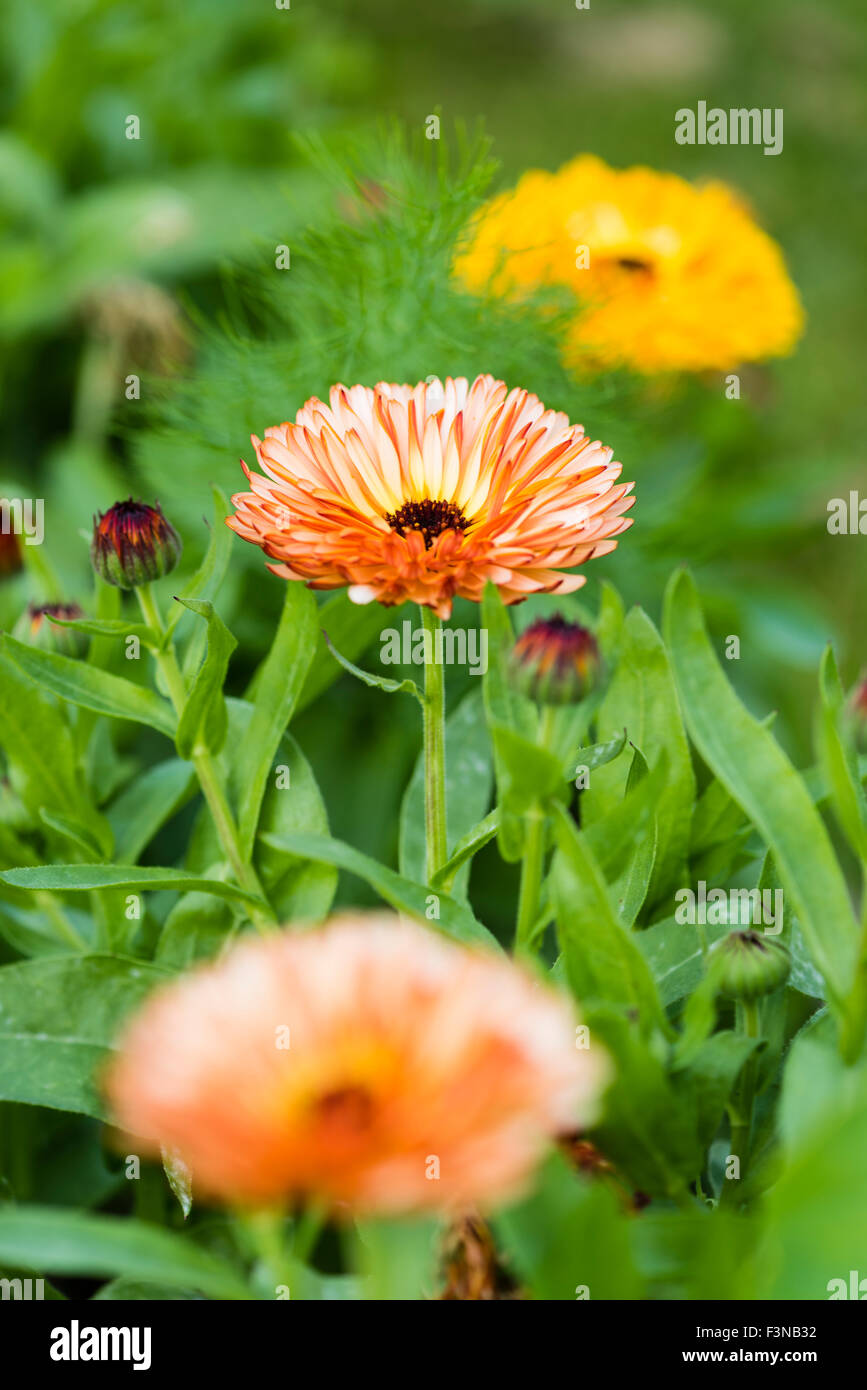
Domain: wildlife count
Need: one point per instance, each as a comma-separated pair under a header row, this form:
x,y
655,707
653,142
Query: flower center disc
x,y
431,518
349,1108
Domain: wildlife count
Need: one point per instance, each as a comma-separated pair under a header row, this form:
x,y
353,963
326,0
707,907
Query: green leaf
x,y
609,625
839,760
59,1017
648,1129
278,686
758,775
467,787
298,889
568,1236
80,878
673,951
197,927
398,1259
38,745
203,719
352,627
139,1290
70,1242
80,833
632,887
708,1077
474,840
179,1177
814,1218
529,774
113,627
146,803
206,582
391,687
619,837
599,754
643,700
504,709
601,957
93,689
716,820
455,919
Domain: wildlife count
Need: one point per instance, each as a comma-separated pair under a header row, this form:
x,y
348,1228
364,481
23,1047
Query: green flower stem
x,y
434,752
264,1233
535,823
206,769
852,1039
306,1232
533,862
741,1109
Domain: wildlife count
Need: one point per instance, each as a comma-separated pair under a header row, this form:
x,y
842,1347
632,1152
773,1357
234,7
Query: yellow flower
x,y
420,493
371,1063
671,277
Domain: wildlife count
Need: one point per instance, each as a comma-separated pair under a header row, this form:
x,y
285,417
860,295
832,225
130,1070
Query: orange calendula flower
x,y
670,276
371,1063
426,492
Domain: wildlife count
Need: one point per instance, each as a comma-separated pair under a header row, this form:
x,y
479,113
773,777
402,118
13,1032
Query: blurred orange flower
x,y
371,1063
426,492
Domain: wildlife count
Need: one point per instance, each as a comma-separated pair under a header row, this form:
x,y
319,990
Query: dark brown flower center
x,y
349,1107
431,518
633,263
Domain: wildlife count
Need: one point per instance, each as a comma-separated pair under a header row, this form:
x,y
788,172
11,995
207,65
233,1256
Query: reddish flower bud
x,y
555,662
10,553
856,713
35,626
133,544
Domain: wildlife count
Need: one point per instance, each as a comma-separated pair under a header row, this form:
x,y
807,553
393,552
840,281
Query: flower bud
x,y
555,662
856,713
750,964
133,544
10,554
36,628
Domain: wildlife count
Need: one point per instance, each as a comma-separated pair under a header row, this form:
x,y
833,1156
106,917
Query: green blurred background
x,y
124,256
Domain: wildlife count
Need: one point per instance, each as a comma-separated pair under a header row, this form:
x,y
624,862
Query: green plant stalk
x,y
434,712
533,862
741,1110
206,771
852,1035
535,823
263,1232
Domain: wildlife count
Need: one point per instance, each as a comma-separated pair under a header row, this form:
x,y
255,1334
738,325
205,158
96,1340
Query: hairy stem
x,y
533,862
741,1109
434,752
206,769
